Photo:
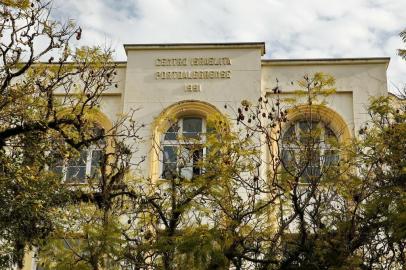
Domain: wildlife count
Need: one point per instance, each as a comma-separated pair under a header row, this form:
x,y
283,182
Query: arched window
x,y
182,148
178,145
309,148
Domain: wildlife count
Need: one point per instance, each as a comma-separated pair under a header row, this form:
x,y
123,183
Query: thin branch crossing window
x,y
182,148
308,149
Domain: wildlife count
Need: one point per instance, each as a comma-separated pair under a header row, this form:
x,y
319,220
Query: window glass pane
x,y
172,133
303,126
289,135
329,137
311,173
56,163
76,174
312,163
96,157
96,132
95,162
189,162
210,128
169,162
58,170
76,169
306,125
288,158
309,132
187,172
197,157
184,158
330,158
80,161
192,126
314,157
169,171
169,154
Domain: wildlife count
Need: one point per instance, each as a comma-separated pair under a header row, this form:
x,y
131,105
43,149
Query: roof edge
x,y
175,46
326,61
114,62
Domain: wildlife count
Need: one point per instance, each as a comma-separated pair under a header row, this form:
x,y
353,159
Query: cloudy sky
x,y
290,28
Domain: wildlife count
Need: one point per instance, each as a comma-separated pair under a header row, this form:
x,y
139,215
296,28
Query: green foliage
x,y
314,88
94,244
23,4
38,128
402,52
244,210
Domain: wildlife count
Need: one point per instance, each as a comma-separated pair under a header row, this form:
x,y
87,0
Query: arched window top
x,y
187,108
177,132
187,126
321,114
303,129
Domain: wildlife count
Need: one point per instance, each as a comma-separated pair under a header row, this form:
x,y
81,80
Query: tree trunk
x,y
19,252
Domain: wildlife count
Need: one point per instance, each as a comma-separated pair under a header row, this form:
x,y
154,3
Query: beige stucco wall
x,y
356,81
111,106
151,96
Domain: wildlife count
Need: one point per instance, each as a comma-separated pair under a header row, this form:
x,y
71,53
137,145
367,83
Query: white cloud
x,y
290,28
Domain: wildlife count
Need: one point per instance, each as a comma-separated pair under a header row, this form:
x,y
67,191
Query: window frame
x,y
322,147
63,164
88,165
184,143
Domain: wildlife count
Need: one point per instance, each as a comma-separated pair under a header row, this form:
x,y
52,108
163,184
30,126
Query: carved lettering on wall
x,y
193,74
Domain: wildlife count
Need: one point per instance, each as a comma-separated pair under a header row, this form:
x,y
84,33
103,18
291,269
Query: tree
x,y
383,150
318,203
402,52
47,113
321,205
88,233
315,202
334,208
282,212
184,225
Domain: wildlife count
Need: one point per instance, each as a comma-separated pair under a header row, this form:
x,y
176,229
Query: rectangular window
x,y
76,170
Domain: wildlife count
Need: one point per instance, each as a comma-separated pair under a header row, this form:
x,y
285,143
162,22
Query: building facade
x,y
186,80
190,81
